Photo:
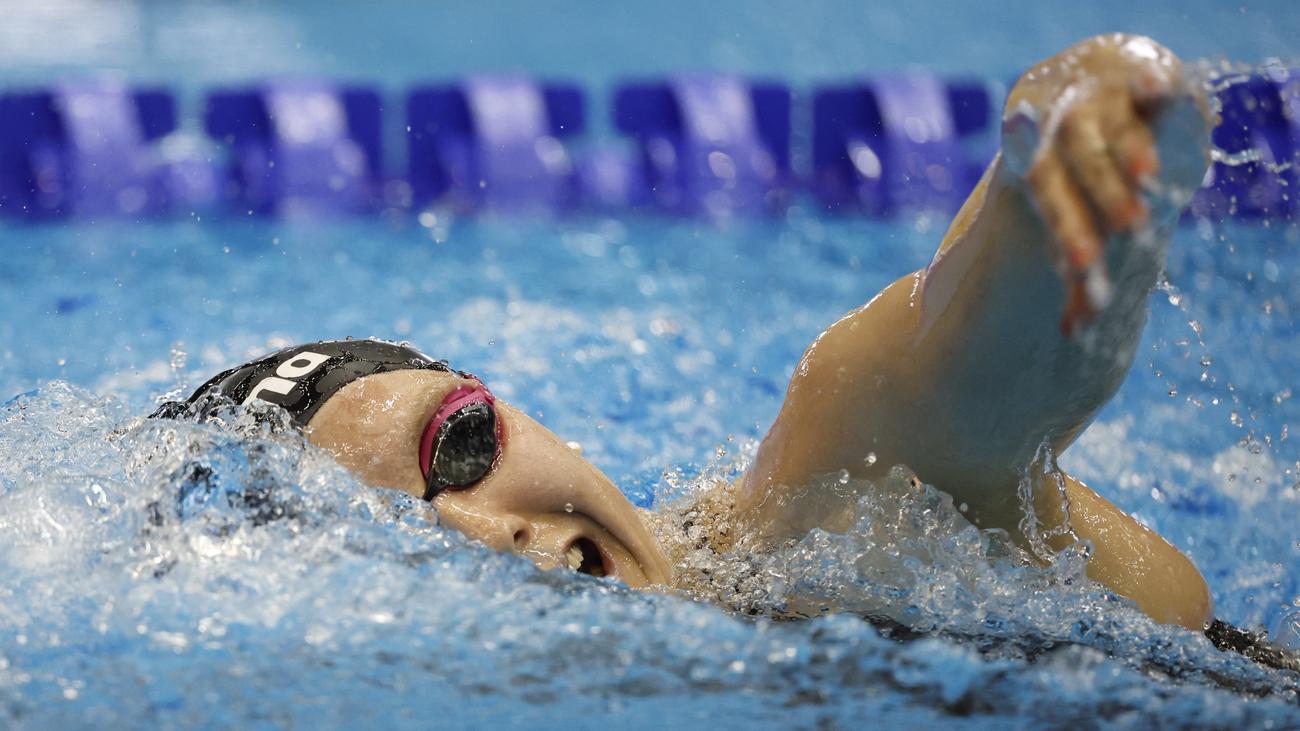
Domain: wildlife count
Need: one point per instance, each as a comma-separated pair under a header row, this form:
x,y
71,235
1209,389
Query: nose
x,y
507,532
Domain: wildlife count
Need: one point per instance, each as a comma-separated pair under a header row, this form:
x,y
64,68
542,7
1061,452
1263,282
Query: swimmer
x,y
968,372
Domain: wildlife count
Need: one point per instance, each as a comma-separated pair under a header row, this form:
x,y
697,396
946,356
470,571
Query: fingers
x,y
1066,213
1088,183
1078,245
1126,125
1103,172
1078,309
1134,147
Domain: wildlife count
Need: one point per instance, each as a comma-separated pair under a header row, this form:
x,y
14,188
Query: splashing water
x,y
158,569
1222,78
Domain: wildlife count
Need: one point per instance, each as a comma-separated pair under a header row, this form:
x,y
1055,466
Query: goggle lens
x,y
461,442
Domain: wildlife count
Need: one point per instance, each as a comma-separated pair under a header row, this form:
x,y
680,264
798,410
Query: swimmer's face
x,y
540,498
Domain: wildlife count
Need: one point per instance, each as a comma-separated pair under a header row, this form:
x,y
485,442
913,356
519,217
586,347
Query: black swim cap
x,y
302,378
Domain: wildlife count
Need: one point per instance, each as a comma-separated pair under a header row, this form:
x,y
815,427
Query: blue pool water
x,y
134,595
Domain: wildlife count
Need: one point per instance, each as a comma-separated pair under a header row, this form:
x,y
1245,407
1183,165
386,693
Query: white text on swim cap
x,y
296,367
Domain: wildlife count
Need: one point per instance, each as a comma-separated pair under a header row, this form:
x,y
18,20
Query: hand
x,y
1089,158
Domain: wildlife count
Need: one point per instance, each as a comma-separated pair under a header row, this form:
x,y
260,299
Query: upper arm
x,y
869,393
837,407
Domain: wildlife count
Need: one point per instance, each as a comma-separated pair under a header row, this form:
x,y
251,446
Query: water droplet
x,y
568,507
844,477
871,458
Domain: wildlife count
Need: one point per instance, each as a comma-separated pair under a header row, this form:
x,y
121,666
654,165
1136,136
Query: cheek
x,y
383,464
394,462
378,446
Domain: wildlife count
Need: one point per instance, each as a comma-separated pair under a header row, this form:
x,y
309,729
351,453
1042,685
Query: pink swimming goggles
x,y
462,440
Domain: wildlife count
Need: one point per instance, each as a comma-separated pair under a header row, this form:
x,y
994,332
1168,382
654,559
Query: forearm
x,y
936,372
1022,326
1129,558
959,371
1005,375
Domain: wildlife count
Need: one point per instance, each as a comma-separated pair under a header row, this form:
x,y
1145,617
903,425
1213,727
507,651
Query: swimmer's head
x,y
402,420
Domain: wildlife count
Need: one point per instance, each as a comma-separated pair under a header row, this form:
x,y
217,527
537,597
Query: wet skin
x,y
541,499
1008,343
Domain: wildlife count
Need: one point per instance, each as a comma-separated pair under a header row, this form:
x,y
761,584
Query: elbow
x,y
1185,598
1163,582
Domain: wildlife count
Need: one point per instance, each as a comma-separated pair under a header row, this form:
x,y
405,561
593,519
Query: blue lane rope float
x,y
1258,140
894,143
709,143
299,147
494,142
92,149
691,145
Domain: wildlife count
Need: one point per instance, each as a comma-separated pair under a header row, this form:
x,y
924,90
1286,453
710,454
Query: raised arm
x,y
1023,325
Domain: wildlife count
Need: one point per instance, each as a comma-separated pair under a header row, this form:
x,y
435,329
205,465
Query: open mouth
x,y
584,557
